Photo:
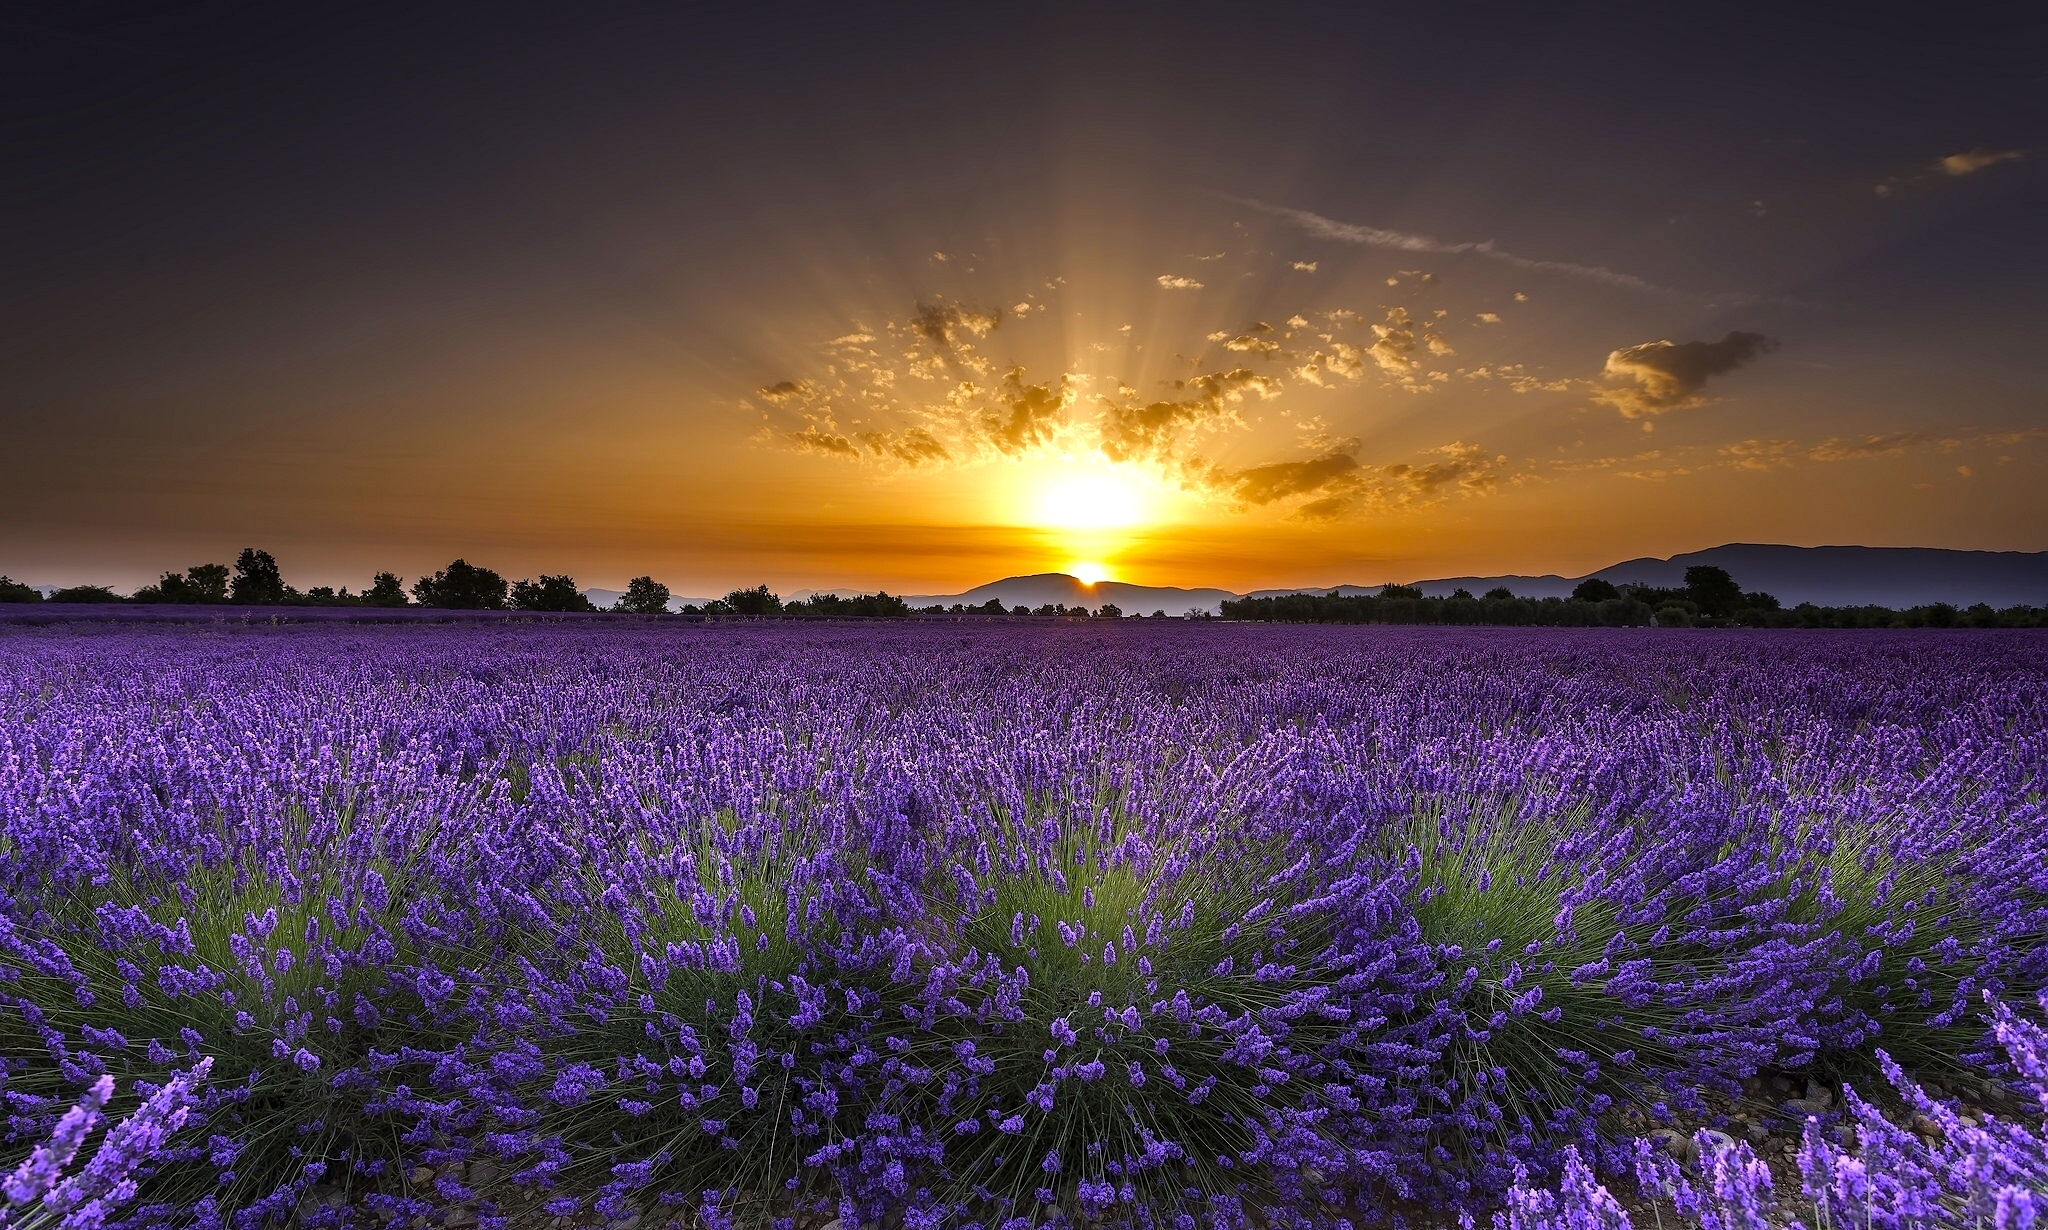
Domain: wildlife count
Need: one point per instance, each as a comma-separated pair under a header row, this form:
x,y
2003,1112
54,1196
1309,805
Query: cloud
x,y
1669,375
1898,443
1306,266
1352,233
914,447
1489,318
813,438
1134,431
1279,480
1037,414
1258,340
1396,343
785,392
1335,484
1971,161
1171,282
944,325
1342,361
1778,454
1465,466
1761,454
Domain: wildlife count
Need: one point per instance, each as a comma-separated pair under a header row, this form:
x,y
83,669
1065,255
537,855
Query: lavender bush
x,y
943,925
1957,1170
39,1194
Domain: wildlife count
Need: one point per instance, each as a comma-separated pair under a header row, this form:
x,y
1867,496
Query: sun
x,y
1088,574
1091,499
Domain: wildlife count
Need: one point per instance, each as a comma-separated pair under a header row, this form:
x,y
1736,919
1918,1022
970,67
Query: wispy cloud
x,y
1971,161
1760,454
1171,282
1403,241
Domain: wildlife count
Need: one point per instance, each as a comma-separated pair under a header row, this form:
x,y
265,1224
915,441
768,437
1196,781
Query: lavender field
x,y
950,925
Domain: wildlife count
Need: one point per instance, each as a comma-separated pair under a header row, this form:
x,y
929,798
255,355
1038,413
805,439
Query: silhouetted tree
x,y
755,601
12,590
1713,590
1110,610
550,594
199,583
643,596
385,590
257,579
462,586
1500,593
1594,589
85,593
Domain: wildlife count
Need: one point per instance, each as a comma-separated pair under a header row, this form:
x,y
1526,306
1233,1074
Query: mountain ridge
x,y
1825,576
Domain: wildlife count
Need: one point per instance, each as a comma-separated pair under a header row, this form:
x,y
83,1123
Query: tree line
x,y
255,580
1709,597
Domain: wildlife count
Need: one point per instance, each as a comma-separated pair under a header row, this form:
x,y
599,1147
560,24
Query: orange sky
x,y
927,318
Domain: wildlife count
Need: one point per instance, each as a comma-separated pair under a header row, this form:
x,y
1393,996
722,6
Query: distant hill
x,y
1858,576
1825,576
1058,587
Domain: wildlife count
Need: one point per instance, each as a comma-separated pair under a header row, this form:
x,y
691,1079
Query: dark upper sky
x,y
1213,294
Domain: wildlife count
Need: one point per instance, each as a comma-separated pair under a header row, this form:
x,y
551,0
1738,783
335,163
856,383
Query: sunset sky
x,y
920,297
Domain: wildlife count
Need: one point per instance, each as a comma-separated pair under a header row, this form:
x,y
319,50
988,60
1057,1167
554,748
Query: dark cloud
x,y
1282,480
944,325
783,391
1338,485
1466,466
1667,375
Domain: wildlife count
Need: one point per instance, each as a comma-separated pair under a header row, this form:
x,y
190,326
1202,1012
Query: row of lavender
x,y
960,926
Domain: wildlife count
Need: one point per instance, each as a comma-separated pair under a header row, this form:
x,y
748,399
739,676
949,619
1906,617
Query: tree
x,y
1110,610
12,590
1713,590
85,593
385,590
199,583
755,601
1593,589
462,586
550,594
1391,590
643,596
1500,593
257,580
1461,594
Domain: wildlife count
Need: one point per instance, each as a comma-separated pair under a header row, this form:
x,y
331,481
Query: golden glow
x,y
1095,498
1087,573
